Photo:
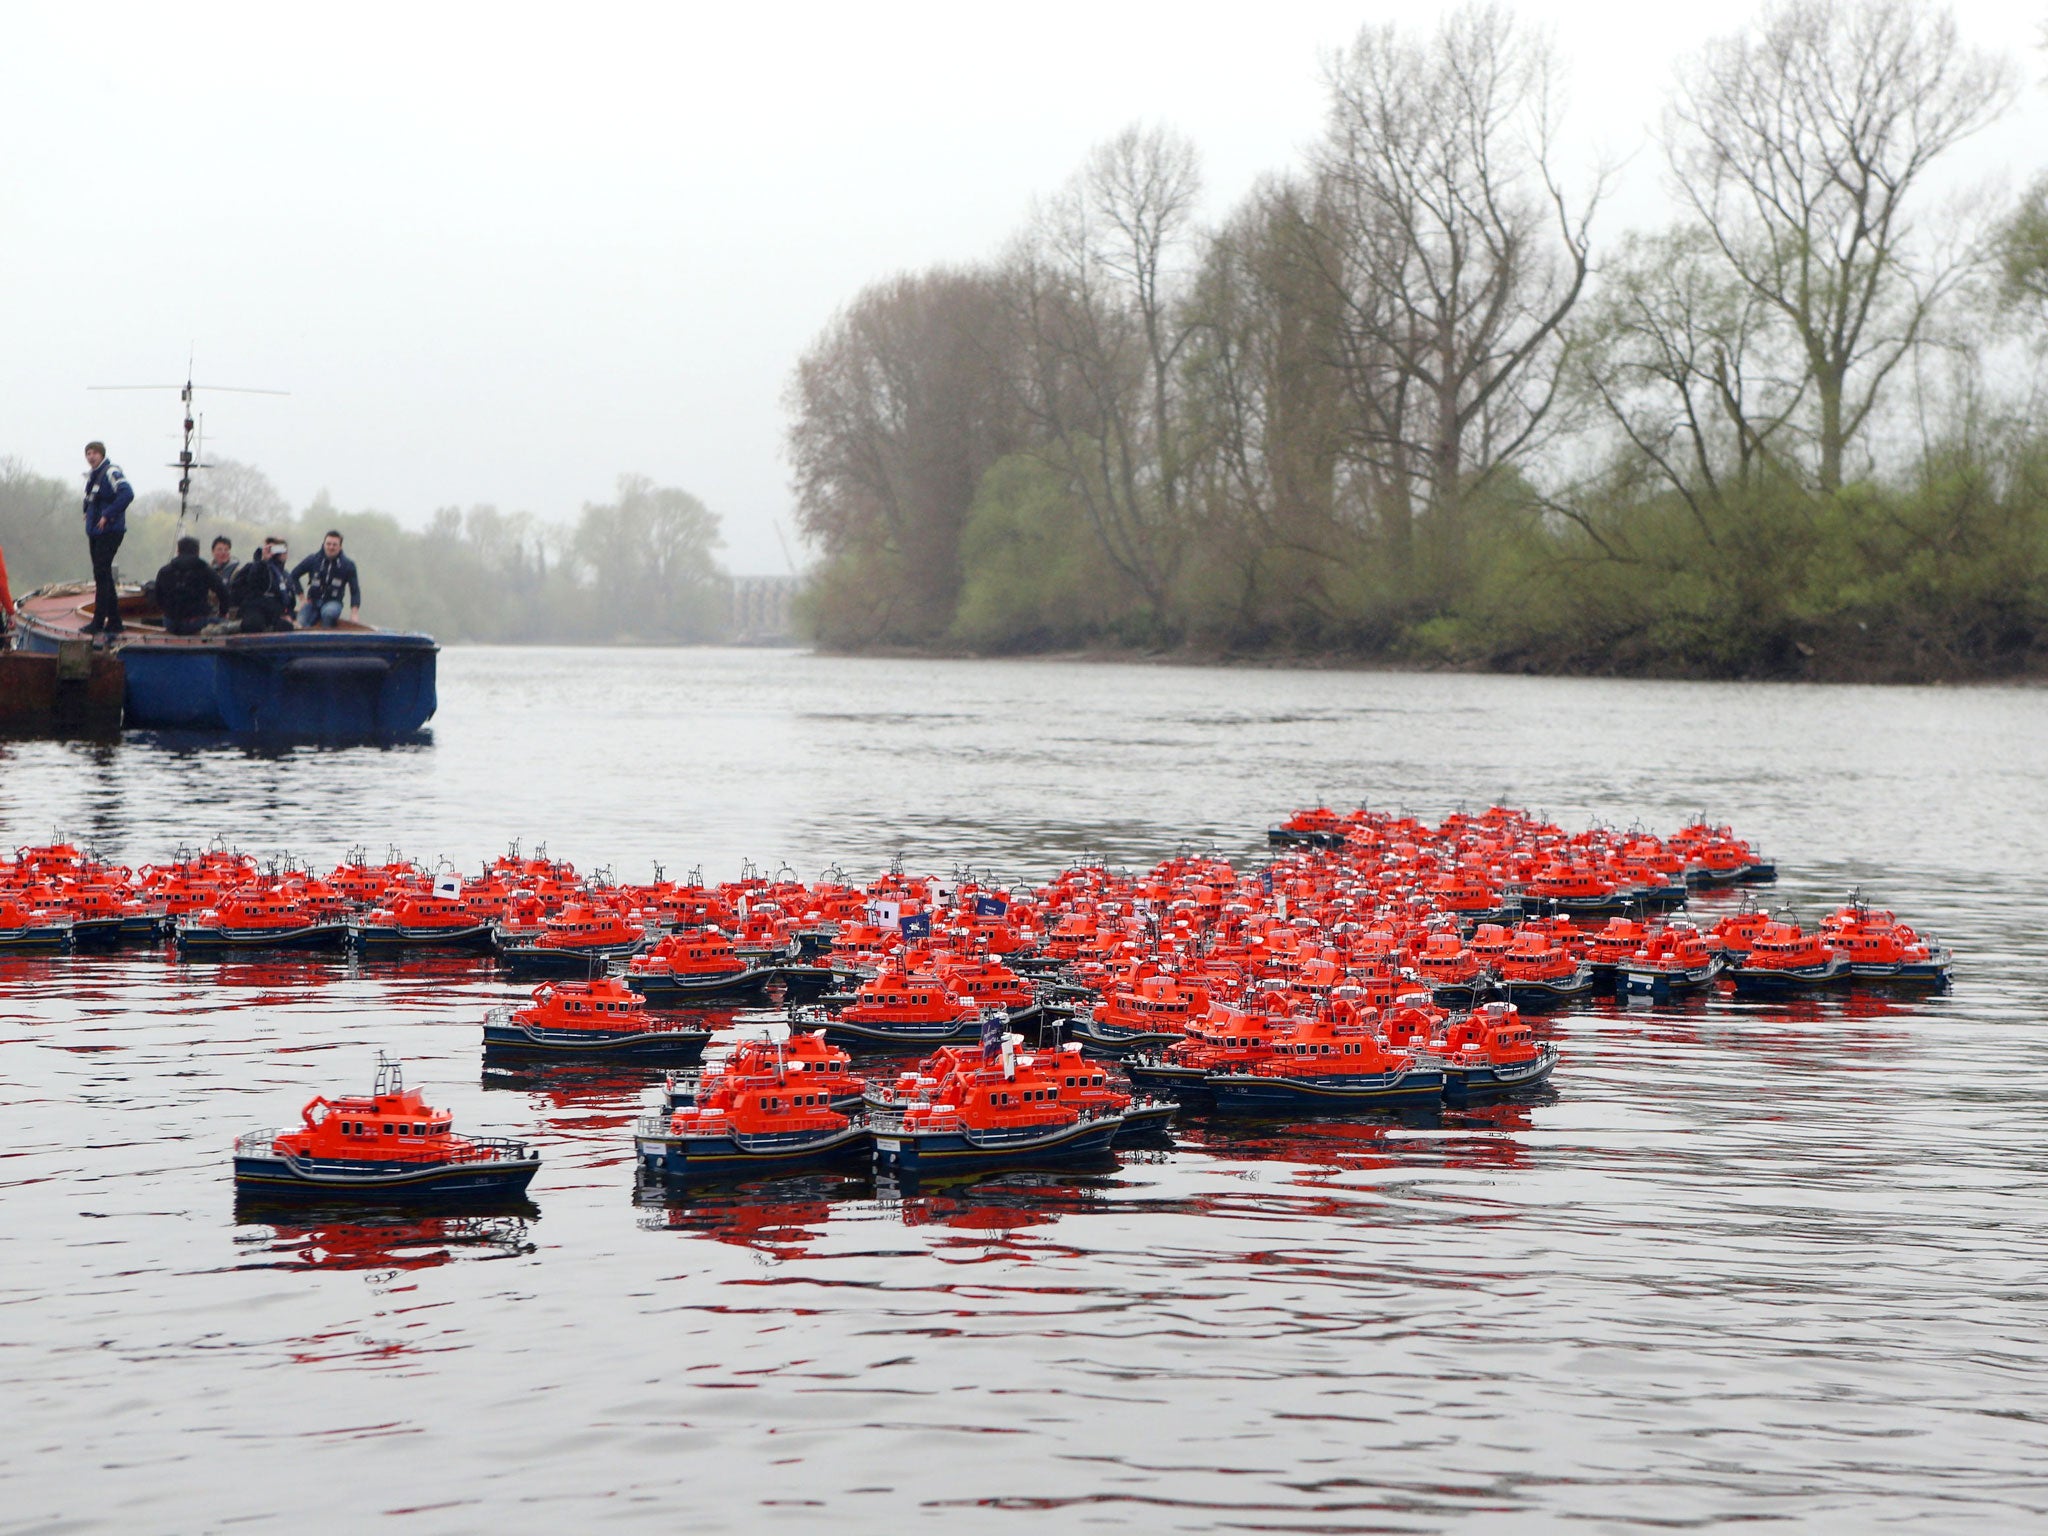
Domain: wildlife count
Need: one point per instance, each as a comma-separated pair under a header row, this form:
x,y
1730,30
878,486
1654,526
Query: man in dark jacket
x,y
328,575
183,588
107,494
262,592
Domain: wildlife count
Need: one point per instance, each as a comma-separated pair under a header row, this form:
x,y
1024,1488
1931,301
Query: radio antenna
x,y
189,456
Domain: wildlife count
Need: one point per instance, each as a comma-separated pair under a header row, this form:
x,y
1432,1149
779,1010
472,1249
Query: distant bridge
x,y
763,609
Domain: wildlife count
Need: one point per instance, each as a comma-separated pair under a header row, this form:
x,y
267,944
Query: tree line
x,y
1400,403
639,568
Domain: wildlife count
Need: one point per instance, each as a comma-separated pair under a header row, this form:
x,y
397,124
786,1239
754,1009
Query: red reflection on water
x,y
390,1242
780,1217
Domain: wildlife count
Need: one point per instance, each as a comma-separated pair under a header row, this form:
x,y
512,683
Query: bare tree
x,y
1096,295
1689,362
1801,148
1454,253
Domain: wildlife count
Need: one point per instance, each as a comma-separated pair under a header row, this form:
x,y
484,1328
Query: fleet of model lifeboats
x,y
1375,963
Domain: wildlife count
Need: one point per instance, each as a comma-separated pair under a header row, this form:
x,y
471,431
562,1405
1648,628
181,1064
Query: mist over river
x,y
1745,1261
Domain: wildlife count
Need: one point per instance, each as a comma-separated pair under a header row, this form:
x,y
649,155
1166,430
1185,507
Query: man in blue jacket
x,y
329,576
107,494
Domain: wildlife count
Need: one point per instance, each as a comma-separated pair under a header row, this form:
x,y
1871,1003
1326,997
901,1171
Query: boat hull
x,y
668,1047
311,1178
388,939
197,941
1256,1093
557,960
859,1032
661,1152
325,684
36,938
1756,981
912,1152
1473,1084
1656,981
666,990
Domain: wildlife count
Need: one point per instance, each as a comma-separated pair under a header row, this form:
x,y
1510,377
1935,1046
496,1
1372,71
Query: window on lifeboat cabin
x,y
390,1129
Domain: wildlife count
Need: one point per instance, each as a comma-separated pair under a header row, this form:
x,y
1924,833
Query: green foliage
x,y
1034,578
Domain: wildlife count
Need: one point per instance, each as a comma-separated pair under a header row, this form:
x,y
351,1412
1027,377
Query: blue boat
x,y
349,683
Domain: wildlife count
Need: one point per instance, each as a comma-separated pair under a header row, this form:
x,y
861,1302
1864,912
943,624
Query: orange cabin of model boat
x,y
702,952
983,1096
1785,947
894,996
758,1104
581,926
381,1127
1494,1035
1330,1047
605,1004
1446,961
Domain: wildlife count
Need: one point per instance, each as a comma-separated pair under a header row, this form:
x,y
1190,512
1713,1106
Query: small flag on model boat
x,y
916,926
993,1021
448,887
990,906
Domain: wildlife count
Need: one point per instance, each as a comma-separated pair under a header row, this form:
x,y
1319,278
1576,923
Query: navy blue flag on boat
x,y
990,906
916,926
1266,881
992,1023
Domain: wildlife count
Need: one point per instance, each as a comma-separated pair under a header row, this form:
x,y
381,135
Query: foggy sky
x,y
502,254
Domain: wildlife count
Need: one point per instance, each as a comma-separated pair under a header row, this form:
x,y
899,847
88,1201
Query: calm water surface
x,y
1761,1264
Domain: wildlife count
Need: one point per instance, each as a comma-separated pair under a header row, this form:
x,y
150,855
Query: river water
x,y
1745,1263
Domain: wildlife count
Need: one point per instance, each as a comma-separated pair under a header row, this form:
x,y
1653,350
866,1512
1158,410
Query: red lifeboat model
x,y
388,1143
254,918
698,966
600,1020
579,937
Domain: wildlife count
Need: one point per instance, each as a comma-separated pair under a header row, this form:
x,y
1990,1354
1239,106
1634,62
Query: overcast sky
x,y
502,254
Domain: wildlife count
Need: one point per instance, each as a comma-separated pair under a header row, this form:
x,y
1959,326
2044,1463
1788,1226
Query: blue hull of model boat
x,y
305,685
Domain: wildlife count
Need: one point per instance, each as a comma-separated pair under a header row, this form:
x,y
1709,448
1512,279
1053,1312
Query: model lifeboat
x,y
898,1007
410,920
993,1110
747,1121
699,966
985,983
1144,1010
253,919
1575,889
1782,959
1330,1062
388,1143
1615,942
1536,970
574,939
1490,1053
1082,1082
32,928
1452,972
1670,961
805,1051
594,1020
1226,1040
1884,951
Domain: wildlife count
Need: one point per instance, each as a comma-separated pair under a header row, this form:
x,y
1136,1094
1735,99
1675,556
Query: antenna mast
x,y
188,452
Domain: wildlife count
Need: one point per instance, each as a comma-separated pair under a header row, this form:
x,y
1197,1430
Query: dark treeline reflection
x,y
638,568
1403,402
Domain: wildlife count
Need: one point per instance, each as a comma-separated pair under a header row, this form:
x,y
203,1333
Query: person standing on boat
x,y
328,575
107,495
184,587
